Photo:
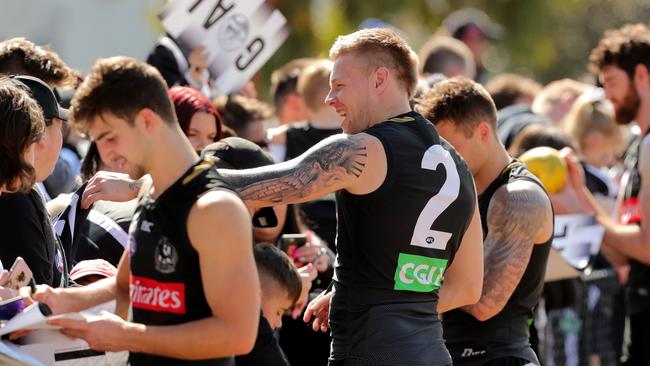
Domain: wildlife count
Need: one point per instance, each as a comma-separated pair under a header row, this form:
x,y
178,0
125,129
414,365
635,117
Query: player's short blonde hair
x,y
381,47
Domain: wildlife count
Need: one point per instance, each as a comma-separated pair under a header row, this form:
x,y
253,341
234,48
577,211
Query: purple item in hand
x,y
10,307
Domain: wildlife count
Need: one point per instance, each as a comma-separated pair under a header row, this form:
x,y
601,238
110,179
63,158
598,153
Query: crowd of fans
x,y
54,212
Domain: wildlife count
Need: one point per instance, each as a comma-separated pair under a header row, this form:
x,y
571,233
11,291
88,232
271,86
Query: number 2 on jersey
x,y
423,235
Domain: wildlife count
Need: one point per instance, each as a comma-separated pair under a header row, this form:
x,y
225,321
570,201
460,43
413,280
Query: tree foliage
x,y
544,39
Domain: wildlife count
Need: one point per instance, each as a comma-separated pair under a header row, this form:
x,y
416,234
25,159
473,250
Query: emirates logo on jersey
x,y
165,297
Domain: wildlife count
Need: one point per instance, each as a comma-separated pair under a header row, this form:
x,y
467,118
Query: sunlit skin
x,y
350,93
468,147
275,303
120,142
619,89
202,130
47,150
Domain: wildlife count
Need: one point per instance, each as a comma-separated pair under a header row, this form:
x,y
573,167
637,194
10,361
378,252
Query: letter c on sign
x,y
402,273
254,48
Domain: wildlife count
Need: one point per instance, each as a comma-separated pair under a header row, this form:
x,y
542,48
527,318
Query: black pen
x,y
32,286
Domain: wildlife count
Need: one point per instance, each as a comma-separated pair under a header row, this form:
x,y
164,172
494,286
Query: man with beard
x,y
622,61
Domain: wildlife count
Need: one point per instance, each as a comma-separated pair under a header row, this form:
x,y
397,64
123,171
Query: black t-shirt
x,y
266,351
471,341
166,287
394,246
27,233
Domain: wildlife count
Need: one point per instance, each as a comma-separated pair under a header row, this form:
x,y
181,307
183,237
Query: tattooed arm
x,y
356,163
519,216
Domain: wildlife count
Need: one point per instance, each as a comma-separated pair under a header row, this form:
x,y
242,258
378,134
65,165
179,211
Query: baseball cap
x,y
238,153
461,18
45,97
97,267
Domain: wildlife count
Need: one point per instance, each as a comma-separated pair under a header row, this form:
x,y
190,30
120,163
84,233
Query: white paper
x,y
11,355
577,238
55,349
30,318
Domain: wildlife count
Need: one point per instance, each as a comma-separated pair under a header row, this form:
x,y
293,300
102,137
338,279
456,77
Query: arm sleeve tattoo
x,y
515,217
321,170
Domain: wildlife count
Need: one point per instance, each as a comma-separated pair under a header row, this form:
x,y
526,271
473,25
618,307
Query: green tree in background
x,y
544,39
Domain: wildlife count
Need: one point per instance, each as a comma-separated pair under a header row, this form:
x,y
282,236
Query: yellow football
x,y
547,165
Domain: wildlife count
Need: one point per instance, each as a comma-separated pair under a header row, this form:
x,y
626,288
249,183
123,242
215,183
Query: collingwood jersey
x,y
165,282
506,334
394,246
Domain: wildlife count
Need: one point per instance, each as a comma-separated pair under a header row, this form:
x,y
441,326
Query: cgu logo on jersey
x,y
419,274
165,297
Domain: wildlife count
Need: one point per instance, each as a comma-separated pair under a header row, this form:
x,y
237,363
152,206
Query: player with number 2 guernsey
x,y
409,237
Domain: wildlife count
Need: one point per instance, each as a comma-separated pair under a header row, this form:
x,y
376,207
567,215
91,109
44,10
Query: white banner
x,y
577,238
239,35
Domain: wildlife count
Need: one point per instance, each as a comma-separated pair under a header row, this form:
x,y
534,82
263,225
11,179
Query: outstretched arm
x,y
620,241
353,162
632,241
519,216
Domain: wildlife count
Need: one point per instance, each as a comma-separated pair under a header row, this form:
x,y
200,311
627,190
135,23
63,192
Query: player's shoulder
x,y
218,199
521,198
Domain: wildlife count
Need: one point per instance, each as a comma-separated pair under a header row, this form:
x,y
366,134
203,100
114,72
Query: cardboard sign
x,y
577,238
239,35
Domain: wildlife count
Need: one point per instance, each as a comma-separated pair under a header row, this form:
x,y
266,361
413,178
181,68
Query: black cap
x,y
460,19
238,153
43,95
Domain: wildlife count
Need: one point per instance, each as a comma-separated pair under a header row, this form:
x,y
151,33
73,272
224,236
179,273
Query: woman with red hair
x,y
197,117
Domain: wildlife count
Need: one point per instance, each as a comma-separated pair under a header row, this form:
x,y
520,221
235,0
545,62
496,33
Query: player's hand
x,y
319,308
198,60
315,254
55,298
571,200
6,293
110,186
104,332
307,275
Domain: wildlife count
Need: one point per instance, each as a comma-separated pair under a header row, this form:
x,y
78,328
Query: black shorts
x,y
510,361
639,339
402,334
476,355
361,362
